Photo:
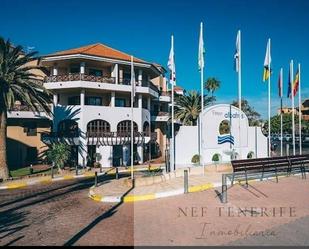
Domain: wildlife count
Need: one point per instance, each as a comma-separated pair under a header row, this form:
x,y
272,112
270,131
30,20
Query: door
x,y
117,155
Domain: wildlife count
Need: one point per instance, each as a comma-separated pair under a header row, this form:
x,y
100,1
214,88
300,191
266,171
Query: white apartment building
x,y
91,105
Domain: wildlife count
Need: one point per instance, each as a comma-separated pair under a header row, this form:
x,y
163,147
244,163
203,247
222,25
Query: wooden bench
x,y
249,168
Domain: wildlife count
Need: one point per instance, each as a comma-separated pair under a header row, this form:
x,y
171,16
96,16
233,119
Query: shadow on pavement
x,y
103,216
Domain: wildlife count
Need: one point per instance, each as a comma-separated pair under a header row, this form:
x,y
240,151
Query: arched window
x,y
146,127
98,126
125,126
68,128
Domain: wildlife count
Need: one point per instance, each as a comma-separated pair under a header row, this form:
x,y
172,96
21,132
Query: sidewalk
x,y
114,190
24,182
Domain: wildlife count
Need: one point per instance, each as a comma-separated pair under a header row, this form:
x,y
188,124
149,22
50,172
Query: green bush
x,y
250,154
59,153
216,157
195,159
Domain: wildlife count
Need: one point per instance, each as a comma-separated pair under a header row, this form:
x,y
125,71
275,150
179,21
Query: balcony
x,y
79,77
24,111
160,116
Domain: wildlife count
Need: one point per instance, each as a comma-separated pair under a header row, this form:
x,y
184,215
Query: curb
x,y
158,195
23,184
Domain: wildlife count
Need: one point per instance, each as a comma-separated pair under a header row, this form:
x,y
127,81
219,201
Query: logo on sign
x,y
225,139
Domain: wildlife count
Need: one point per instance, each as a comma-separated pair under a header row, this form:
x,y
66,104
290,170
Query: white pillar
x,y
82,68
55,70
140,152
140,77
113,99
126,155
115,73
55,99
82,97
140,101
120,76
148,104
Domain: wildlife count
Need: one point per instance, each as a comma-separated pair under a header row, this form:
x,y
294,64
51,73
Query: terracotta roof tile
x,y
98,49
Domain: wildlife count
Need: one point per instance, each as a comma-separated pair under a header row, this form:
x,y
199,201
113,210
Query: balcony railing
x,y
156,113
25,108
78,77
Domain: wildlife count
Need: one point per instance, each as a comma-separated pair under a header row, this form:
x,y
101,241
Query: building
x,y
24,130
304,110
92,108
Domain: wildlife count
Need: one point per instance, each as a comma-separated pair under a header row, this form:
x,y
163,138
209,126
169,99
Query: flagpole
x,y
293,111
172,158
269,128
239,93
299,106
281,122
132,129
202,102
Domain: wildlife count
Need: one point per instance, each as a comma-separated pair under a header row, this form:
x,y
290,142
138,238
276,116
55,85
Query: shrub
x,y
59,153
195,159
250,154
216,157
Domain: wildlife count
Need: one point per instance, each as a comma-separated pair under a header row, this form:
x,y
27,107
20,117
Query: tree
x,y
212,84
59,153
254,117
286,124
188,107
17,82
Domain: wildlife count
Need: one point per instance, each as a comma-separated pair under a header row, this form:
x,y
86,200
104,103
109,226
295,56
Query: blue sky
x,y
143,28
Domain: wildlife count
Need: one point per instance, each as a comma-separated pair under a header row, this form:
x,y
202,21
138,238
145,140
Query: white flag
x,y
237,52
201,50
133,82
267,61
171,64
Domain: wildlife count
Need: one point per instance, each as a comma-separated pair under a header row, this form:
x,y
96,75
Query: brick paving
x,y
62,214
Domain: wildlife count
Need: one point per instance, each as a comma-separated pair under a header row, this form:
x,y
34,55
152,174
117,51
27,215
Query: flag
x,y
171,64
267,61
296,83
237,53
133,82
280,87
289,84
201,50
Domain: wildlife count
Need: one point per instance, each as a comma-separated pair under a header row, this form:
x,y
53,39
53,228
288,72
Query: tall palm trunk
x,y
4,171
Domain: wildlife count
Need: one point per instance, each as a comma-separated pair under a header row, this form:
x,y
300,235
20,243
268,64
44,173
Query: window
x,y
120,102
98,126
30,128
74,69
95,72
74,100
93,101
125,126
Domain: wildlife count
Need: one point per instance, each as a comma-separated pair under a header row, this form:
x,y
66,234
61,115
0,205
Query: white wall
x,y
248,139
186,145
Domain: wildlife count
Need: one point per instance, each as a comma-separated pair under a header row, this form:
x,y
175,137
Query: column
x,y
126,155
113,99
55,99
149,105
120,76
140,101
115,73
140,77
55,70
82,97
82,68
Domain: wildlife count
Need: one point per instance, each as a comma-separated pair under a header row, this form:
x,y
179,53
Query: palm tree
x,y
17,82
59,153
212,84
188,107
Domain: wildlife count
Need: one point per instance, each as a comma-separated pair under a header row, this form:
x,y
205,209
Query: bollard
x,y
117,176
185,176
224,189
100,169
76,170
31,169
52,170
95,179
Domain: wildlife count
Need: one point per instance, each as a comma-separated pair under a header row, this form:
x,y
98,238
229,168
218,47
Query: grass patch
x,y
26,171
